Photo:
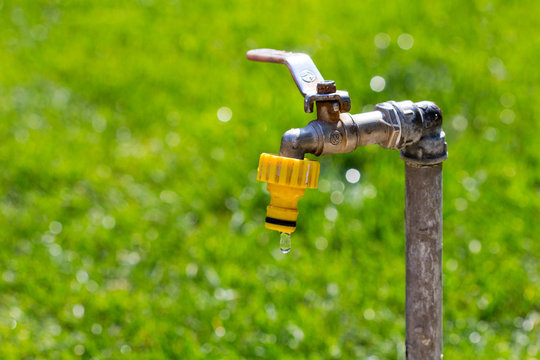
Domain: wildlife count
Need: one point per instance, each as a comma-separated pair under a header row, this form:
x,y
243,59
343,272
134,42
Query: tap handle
x,y
303,70
307,77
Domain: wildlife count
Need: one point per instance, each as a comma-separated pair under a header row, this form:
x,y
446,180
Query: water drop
x,y
285,242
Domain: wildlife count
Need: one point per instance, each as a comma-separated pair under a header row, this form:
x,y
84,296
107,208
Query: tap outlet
x,y
287,180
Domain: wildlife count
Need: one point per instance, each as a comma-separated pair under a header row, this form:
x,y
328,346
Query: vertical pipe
x,y
423,233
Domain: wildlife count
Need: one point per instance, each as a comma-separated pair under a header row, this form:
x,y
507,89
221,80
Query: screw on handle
x,y
303,70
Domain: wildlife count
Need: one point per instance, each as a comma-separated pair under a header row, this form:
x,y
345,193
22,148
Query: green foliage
x,y
132,223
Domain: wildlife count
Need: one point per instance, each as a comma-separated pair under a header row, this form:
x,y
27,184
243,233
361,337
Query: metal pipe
x,y
423,232
372,128
423,236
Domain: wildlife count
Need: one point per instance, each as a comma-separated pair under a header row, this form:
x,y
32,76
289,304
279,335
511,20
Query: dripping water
x,y
285,242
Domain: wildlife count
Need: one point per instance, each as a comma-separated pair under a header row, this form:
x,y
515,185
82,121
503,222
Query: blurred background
x,y
131,221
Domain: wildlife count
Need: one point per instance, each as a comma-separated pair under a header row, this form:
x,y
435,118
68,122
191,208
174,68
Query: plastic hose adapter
x,y
287,180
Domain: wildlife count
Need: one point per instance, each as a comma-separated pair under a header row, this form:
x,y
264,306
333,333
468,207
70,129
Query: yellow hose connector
x,y
287,180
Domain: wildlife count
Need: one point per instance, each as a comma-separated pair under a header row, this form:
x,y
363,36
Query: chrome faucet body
x,y
392,125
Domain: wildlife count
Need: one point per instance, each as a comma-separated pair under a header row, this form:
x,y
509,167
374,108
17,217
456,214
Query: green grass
x,y
131,221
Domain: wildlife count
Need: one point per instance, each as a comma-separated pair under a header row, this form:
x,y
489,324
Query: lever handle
x,y
303,70
306,76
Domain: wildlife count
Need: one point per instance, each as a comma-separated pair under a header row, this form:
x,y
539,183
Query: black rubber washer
x,y
280,222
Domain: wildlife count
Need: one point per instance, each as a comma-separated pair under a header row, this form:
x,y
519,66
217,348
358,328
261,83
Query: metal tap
x,y
393,125
412,128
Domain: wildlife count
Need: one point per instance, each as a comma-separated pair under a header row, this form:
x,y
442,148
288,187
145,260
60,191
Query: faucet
x,y
415,129
412,128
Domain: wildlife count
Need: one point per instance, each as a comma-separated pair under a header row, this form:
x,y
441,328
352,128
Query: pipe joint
x,y
415,130
424,127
